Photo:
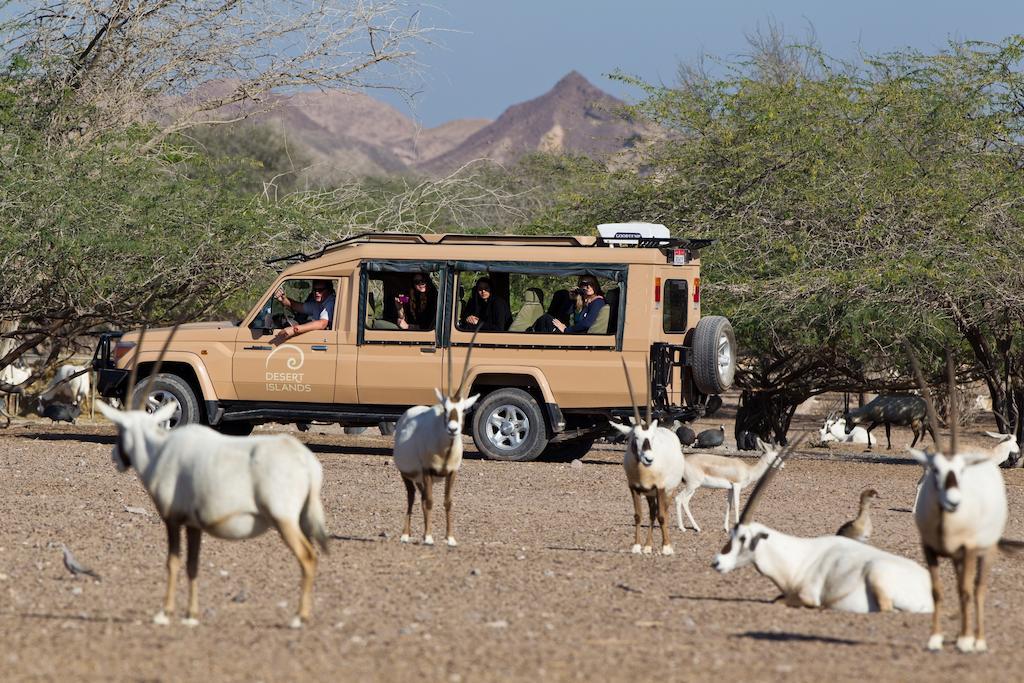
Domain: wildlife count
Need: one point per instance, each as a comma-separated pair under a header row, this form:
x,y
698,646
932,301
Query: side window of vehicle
x,y
303,300
673,317
401,301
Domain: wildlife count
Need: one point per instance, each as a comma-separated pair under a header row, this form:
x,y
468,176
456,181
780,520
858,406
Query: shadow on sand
x,y
795,637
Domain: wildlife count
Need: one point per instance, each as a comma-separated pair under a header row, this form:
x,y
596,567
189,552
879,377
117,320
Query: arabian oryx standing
x,y
961,514
428,444
654,467
230,487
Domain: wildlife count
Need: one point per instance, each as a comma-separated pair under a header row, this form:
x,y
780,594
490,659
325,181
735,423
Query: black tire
x,y
567,452
163,389
235,428
714,355
387,428
354,430
508,425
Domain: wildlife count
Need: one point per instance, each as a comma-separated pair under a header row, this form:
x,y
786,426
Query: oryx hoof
x,y
635,549
451,542
296,622
648,550
404,538
667,550
160,619
980,645
191,622
428,540
935,642
965,643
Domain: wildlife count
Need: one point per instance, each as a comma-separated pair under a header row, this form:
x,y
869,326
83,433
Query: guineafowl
x,y
62,412
686,435
710,438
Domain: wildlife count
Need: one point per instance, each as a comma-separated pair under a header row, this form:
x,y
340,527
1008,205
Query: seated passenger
x,y
418,309
320,310
562,304
589,302
485,309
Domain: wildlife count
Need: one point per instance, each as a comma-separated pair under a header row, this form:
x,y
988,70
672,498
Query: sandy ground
x,y
541,587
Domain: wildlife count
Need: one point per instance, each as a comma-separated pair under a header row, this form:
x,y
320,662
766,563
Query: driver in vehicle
x,y
320,310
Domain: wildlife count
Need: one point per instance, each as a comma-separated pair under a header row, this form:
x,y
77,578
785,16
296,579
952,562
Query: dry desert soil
x,y
541,587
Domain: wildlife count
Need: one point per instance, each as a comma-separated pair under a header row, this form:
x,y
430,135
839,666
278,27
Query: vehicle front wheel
x,y
508,425
167,388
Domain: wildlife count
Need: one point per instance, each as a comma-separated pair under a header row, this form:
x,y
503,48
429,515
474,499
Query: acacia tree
x,y
855,207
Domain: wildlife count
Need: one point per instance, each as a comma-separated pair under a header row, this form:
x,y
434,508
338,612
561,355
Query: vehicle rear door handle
x,y
319,347
428,349
258,347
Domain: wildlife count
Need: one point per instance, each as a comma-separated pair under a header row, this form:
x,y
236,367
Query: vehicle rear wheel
x,y
235,428
387,428
714,355
508,425
167,388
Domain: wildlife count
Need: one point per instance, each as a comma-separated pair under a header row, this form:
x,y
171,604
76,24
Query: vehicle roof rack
x,y
619,241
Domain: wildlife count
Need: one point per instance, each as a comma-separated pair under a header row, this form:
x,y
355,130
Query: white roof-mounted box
x,y
631,233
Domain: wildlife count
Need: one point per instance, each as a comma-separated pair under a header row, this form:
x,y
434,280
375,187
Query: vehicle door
x,y
399,362
301,369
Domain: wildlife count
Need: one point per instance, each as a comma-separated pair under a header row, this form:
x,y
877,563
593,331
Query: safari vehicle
x,y
541,393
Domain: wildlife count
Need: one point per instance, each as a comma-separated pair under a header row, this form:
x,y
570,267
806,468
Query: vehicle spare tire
x,y
167,388
714,355
508,425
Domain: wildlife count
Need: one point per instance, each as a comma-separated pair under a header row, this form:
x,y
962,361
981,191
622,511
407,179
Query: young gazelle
x,y
428,445
719,472
859,528
654,467
230,487
961,514
830,572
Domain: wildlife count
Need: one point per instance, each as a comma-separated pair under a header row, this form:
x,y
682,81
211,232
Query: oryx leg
x,y
666,543
980,591
652,514
966,571
876,588
932,560
410,500
873,425
918,432
193,536
427,503
303,551
637,518
162,617
449,530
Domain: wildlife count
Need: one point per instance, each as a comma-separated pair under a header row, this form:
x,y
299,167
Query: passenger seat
x,y
533,308
610,311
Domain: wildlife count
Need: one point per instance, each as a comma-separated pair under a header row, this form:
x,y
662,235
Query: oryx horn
x,y
465,367
762,483
952,410
632,395
933,419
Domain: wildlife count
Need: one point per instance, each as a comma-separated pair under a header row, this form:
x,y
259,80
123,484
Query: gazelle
x,y
719,472
428,445
230,487
831,572
654,467
961,514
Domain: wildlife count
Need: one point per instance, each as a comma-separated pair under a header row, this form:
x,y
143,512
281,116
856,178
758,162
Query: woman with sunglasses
x,y
319,309
485,309
417,310
589,302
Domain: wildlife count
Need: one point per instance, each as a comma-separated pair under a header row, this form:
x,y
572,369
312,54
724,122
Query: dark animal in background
x,y
902,410
687,437
859,529
710,438
746,441
62,412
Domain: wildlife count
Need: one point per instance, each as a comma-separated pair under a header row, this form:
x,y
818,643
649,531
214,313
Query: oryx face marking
x,y
739,549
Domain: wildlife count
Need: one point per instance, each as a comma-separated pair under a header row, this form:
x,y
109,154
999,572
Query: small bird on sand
x,y
859,529
73,565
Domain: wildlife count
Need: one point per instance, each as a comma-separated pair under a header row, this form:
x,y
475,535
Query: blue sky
x,y
500,52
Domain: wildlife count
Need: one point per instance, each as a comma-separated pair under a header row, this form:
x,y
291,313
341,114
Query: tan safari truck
x,y
542,392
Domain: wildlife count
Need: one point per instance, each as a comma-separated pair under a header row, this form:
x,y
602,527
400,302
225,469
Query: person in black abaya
x,y
486,309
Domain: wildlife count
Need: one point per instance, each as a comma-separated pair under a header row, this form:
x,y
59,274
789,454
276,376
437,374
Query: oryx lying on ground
x,y
832,572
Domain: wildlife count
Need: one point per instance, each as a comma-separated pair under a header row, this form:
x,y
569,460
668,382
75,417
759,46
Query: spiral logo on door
x,y
293,362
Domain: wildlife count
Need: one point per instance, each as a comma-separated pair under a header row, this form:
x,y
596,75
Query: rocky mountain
x,y
573,117
352,134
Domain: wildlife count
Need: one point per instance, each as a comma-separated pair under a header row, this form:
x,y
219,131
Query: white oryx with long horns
x,y
832,572
230,487
654,467
961,514
428,445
